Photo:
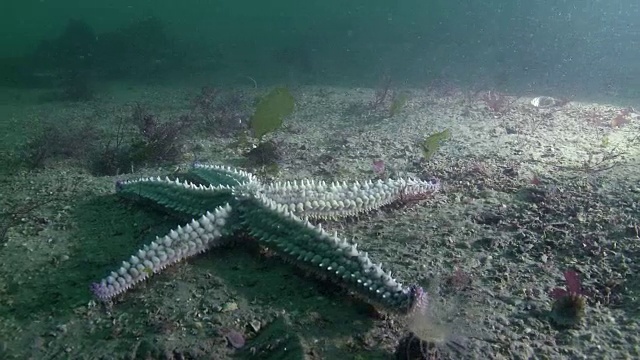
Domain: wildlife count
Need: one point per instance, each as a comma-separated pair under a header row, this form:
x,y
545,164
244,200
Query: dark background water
x,y
564,47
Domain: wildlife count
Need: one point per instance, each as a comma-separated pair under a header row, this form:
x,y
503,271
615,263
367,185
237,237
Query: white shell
x,y
544,102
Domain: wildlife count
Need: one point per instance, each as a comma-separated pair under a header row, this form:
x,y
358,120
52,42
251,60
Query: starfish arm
x,y
328,256
194,238
182,197
313,199
217,175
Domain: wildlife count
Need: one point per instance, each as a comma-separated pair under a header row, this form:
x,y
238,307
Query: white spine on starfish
x,y
249,177
368,276
177,182
319,200
185,241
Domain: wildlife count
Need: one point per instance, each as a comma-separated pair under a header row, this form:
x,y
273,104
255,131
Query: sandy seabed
x,y
527,194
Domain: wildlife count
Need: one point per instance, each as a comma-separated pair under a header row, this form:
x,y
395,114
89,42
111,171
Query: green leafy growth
x,y
398,102
270,112
432,143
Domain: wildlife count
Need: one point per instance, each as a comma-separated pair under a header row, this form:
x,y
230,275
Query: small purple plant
x,y
573,286
379,168
569,306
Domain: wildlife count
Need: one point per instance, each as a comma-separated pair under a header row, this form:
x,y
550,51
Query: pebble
x,y
229,307
235,339
255,325
588,337
502,320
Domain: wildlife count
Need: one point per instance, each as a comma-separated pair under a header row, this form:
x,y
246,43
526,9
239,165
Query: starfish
x,y
224,201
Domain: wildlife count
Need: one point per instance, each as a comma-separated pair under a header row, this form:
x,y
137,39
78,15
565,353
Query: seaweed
x,y
151,141
397,104
382,93
432,143
56,141
270,112
569,306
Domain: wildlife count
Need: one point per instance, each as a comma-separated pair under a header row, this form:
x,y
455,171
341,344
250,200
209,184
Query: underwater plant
x,y
271,111
397,104
139,140
263,155
497,103
432,143
569,306
157,141
58,141
379,169
382,93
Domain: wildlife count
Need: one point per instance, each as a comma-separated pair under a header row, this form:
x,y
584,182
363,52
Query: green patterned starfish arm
x,y
196,237
221,175
225,200
327,256
182,197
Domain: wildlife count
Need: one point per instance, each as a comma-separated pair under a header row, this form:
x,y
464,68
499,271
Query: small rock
x,y
235,339
229,307
255,325
502,320
588,337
